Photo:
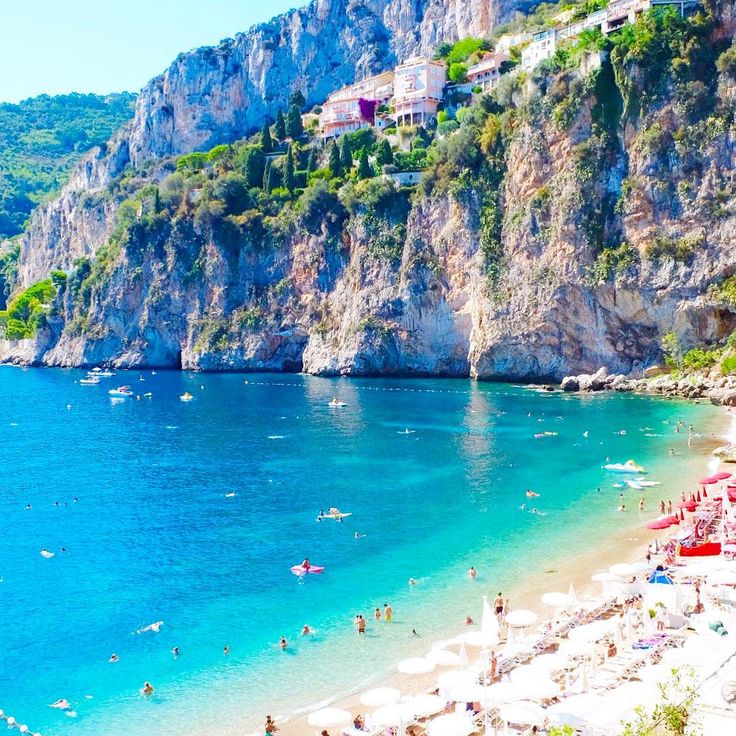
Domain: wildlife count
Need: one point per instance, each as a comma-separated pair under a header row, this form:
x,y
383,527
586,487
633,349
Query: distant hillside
x,y
42,138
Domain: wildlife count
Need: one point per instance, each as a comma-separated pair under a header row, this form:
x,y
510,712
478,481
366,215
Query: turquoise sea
x,y
153,537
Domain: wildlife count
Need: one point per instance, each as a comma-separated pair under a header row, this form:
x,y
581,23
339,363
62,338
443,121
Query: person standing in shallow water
x,y
388,612
498,605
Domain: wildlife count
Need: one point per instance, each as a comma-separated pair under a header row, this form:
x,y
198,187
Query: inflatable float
x,y
299,570
628,467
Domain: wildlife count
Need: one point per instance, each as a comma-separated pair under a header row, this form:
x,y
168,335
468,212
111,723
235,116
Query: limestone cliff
x,y
567,225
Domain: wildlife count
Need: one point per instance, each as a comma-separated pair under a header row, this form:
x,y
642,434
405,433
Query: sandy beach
x,y
553,574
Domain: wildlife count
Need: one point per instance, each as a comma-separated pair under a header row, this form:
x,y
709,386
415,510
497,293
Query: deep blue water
x,y
154,537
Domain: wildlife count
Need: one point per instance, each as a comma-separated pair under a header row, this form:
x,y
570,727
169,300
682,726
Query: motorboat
x,y
630,466
121,392
89,381
186,397
335,404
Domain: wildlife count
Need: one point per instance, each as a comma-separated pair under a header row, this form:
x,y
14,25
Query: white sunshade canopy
x,y
423,706
453,724
557,599
504,692
415,666
380,696
456,678
391,715
443,658
329,718
521,618
523,713
622,570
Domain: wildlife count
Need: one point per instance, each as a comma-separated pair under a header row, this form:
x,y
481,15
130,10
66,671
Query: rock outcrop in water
x,y
571,229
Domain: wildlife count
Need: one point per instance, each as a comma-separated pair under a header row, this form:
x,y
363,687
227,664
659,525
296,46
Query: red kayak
x,y
299,570
708,549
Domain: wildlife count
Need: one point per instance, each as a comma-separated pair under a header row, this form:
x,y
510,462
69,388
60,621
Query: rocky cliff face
x,y
218,94
571,230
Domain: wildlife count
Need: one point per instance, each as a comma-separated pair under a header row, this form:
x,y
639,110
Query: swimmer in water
x,y
468,621
414,632
472,573
622,507
155,627
531,494
61,704
412,581
641,504
28,507
226,650
282,643
114,658
46,554
175,652
306,631
358,535
306,564
147,688
377,615
522,507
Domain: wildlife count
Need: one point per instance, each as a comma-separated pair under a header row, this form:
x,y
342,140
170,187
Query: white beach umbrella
x,y
450,680
504,692
632,693
329,718
415,666
453,724
555,599
573,649
604,577
654,673
572,595
521,618
463,654
622,570
523,713
469,693
577,705
527,672
380,696
479,639
390,715
423,706
594,631
489,623
552,662
541,688
722,577
443,658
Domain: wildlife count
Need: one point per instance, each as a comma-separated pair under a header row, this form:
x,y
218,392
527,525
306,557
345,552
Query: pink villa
x,y
354,107
486,72
418,89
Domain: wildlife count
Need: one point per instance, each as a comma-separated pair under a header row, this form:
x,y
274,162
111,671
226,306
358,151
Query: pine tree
x,y
279,127
364,168
268,177
266,142
289,182
385,155
335,162
312,160
297,98
346,155
156,202
294,127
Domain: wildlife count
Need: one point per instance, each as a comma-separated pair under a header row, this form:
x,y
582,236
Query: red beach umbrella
x,y
697,498
721,475
662,523
687,505
708,481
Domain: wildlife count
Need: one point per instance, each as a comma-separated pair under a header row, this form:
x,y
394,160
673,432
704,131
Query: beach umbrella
x,y
572,711
661,577
527,672
415,666
541,688
451,680
708,481
329,718
722,577
574,649
489,627
552,662
654,673
504,692
380,696
443,658
453,724
479,639
622,570
390,715
463,654
423,706
521,618
556,599
721,475
604,577
594,631
571,593
468,693
663,522
523,713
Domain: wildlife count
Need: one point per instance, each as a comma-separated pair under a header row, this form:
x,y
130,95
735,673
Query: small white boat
x,y
89,381
122,392
186,397
633,484
630,466
336,404
647,483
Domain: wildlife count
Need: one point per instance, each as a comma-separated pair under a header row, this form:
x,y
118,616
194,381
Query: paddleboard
x,y
299,570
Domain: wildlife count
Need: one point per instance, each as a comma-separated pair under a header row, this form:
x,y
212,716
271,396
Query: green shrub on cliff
x,y
27,312
700,359
728,366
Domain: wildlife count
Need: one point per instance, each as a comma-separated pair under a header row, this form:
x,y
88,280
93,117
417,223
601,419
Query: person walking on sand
x,y
498,605
661,507
669,506
388,612
493,669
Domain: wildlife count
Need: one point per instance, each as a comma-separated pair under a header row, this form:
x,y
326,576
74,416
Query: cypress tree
x,y
289,182
384,155
346,155
266,142
297,98
268,177
294,127
364,167
312,160
280,126
335,163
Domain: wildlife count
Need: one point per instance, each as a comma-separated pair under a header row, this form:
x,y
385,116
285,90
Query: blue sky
x,y
57,46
